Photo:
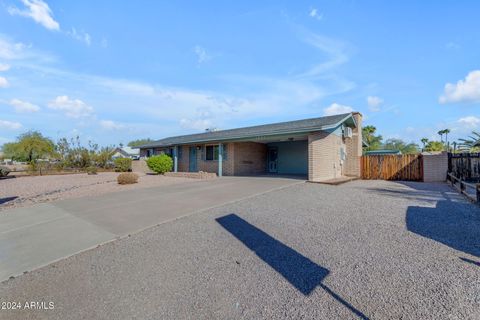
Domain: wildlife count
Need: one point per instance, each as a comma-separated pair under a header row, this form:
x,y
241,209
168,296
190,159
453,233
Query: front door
x,y
192,159
272,160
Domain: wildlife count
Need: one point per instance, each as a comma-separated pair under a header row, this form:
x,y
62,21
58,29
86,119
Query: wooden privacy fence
x,y
465,166
408,167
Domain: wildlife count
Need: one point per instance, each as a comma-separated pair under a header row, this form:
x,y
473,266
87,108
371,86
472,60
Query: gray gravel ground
x,y
366,249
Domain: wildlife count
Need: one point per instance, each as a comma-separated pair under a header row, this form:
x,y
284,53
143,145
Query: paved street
x,y
34,236
362,250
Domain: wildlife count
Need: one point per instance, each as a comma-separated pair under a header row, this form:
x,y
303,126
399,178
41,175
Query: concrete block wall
x,y
324,156
435,167
250,158
354,149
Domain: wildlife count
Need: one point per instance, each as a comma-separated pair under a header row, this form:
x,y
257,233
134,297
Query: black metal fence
x,y
465,166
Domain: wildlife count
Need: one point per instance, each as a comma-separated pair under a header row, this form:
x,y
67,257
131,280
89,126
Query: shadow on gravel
x,y
7,199
470,261
455,224
304,274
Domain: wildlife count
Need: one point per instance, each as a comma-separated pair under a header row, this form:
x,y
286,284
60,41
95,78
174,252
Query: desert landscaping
x,y
29,190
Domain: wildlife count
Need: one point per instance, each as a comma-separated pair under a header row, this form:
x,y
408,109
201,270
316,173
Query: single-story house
x,y
126,152
383,152
321,148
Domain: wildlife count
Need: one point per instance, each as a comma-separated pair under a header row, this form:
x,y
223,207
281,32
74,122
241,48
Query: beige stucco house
x,y
320,148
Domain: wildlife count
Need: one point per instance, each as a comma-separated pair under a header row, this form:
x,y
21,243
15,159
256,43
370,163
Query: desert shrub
x,y
160,164
127,178
123,164
4,171
91,170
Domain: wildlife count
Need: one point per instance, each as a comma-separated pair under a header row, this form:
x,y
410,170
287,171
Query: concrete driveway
x,y
35,236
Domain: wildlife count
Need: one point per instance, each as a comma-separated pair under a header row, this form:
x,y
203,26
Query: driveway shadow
x,y
301,272
455,224
7,199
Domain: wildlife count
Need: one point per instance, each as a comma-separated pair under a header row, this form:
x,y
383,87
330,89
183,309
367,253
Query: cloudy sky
x,y
113,71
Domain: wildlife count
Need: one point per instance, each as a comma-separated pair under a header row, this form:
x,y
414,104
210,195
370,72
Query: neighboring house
x,y
126,152
382,152
322,148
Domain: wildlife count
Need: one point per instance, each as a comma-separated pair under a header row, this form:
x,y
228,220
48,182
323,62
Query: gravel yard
x,y
25,191
362,250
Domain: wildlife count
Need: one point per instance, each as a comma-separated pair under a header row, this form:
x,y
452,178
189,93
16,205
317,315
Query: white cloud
x,y
335,51
111,125
467,90
197,124
39,11
374,103
3,82
470,121
4,124
315,14
202,55
336,108
80,36
4,67
23,106
72,108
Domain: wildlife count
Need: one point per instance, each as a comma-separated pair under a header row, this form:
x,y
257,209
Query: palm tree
x,y
424,141
473,141
441,135
446,132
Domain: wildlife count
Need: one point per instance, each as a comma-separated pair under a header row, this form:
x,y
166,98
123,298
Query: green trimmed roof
x,y
274,129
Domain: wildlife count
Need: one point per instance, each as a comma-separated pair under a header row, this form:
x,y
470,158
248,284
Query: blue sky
x,y
113,71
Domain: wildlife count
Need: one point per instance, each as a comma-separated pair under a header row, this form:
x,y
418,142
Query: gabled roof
x,y
289,127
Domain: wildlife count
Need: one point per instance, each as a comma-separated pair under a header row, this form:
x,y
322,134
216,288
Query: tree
x,y
434,146
30,147
139,142
398,144
440,133
374,141
424,142
472,143
446,132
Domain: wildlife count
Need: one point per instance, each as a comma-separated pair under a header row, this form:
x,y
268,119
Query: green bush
x,y
123,164
160,164
91,170
4,171
127,178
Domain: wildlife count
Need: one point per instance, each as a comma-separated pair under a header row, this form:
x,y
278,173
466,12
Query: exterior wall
x,y
182,162
324,156
292,157
250,158
435,167
354,149
212,165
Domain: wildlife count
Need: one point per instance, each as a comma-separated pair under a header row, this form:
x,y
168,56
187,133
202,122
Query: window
x,y
211,153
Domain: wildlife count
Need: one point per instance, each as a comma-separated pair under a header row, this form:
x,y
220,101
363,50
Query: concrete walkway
x,y
35,236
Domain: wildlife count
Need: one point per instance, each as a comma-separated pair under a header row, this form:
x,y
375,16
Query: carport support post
x,y
175,159
220,159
